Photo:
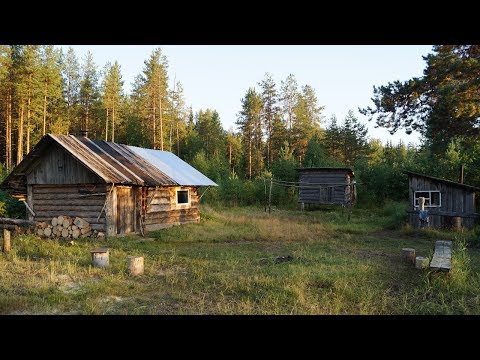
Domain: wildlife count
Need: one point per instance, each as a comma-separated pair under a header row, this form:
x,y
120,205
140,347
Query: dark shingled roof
x,y
114,163
444,181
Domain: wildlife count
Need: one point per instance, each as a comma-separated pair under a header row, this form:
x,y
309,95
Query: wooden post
x,y
265,193
408,255
100,257
6,241
270,196
135,265
302,206
462,170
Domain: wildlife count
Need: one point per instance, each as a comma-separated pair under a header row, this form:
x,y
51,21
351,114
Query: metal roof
x,y
114,163
171,165
444,181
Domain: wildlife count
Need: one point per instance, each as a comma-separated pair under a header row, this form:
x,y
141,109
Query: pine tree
x,y
289,99
112,97
51,82
71,81
6,93
89,95
270,110
249,123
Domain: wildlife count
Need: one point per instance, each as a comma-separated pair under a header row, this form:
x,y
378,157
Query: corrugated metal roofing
x,y
173,166
114,163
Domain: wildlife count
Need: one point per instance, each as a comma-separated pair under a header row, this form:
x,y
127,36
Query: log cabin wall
x,y
162,210
84,201
324,194
456,202
59,184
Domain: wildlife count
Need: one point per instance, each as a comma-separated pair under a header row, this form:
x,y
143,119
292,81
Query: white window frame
x,y
182,204
428,200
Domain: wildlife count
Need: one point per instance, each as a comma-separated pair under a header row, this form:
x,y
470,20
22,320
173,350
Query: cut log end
x,y
408,255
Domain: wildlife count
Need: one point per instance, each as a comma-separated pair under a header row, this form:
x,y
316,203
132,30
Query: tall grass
x,y
339,263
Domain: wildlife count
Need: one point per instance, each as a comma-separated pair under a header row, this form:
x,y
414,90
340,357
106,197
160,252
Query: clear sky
x,y
218,76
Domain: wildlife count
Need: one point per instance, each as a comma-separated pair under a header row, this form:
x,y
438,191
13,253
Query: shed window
x,y
433,198
182,197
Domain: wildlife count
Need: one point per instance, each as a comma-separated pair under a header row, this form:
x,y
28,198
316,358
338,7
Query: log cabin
x,y
118,189
326,185
449,204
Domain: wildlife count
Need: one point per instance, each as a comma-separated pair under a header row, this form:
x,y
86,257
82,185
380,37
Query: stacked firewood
x,y
66,227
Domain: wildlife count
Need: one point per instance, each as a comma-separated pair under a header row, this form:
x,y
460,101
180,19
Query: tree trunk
x,y
106,127
45,110
20,136
8,140
86,115
178,141
230,155
250,158
154,126
113,122
161,125
28,113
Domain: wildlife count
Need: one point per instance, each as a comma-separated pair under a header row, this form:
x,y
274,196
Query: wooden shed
x,y
326,185
449,204
118,189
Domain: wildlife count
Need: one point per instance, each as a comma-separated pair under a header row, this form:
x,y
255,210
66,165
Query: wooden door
x,y
125,210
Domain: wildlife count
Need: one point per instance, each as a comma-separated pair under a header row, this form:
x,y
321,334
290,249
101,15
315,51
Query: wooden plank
x,y
443,255
111,213
82,214
30,202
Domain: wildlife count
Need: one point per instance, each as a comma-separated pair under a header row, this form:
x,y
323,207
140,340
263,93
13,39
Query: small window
x,y
433,198
182,197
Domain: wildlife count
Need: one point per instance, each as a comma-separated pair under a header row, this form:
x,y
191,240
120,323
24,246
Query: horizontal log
x,y
78,196
92,220
60,200
18,222
69,207
173,212
61,189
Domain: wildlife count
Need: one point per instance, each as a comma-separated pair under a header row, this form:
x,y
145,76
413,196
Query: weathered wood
x,y
68,207
408,255
54,221
111,213
75,233
442,256
69,189
57,166
29,203
72,213
18,222
421,262
6,241
100,257
135,265
67,221
47,232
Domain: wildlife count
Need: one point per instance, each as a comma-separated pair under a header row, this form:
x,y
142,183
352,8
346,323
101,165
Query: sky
x,y
218,76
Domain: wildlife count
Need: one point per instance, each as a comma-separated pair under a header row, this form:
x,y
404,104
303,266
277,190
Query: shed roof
x,y
114,163
444,181
327,169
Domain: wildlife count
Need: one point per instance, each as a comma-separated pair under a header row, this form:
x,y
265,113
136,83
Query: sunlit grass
x,y
228,264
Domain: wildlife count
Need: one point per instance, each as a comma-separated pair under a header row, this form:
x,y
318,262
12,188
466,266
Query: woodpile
x,y
66,227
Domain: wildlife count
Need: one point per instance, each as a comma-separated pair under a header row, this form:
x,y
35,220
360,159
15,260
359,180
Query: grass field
x,y
227,265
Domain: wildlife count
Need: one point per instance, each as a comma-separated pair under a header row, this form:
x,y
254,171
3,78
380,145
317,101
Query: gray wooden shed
x,y
449,204
118,189
326,185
